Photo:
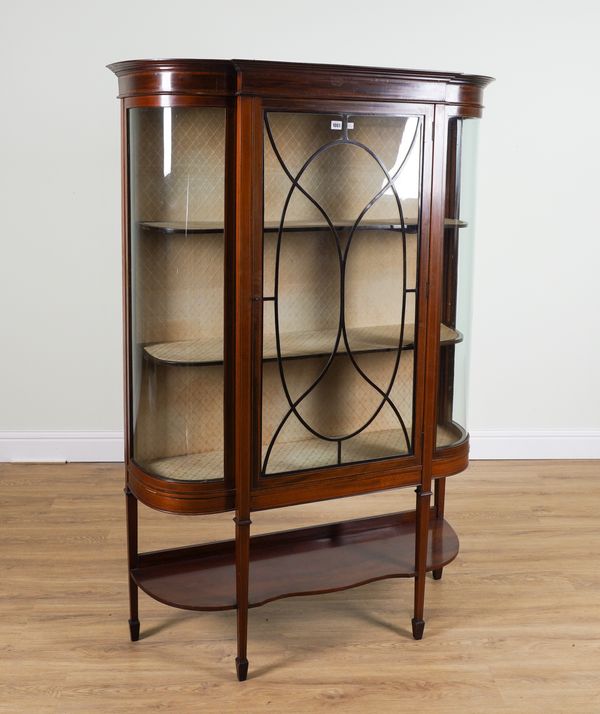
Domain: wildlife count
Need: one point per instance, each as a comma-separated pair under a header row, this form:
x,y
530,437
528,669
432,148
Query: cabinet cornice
x,y
295,80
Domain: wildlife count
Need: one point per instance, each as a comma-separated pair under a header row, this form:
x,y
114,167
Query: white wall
x,y
536,337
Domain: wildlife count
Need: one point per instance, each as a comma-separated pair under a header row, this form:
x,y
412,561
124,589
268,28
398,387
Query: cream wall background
x,y
535,389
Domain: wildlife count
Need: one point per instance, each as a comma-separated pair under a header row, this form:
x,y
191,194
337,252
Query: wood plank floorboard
x,y
513,626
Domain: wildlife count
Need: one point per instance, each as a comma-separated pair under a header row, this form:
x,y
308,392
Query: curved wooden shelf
x,y
449,435
208,466
182,227
295,345
208,227
318,559
199,467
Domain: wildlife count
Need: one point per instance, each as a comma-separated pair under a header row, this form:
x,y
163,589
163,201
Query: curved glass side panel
x,y
457,282
341,230
176,211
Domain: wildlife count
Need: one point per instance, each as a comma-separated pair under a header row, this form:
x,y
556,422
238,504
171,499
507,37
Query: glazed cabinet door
x,y
345,218
177,258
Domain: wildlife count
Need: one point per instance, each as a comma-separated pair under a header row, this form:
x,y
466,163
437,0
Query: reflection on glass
x,y
176,202
457,281
342,203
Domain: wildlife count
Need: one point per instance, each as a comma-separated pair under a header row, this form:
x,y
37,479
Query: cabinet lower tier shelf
x,y
306,561
297,455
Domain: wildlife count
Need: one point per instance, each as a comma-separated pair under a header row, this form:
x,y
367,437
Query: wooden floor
x,y
513,626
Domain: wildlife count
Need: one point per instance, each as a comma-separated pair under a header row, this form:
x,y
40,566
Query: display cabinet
x,y
296,244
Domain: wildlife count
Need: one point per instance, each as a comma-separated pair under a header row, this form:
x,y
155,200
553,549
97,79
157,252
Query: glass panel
x,y
457,282
177,166
342,218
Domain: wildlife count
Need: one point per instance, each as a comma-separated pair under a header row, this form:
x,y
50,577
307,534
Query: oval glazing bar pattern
x,y
350,397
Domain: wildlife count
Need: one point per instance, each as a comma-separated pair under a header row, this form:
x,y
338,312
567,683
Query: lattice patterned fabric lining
x,y
187,188
339,404
447,435
180,410
374,445
297,455
344,178
312,453
179,288
202,351
193,185
190,467
309,280
295,344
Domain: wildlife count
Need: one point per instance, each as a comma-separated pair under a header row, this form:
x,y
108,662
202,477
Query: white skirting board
x,y
62,446
535,444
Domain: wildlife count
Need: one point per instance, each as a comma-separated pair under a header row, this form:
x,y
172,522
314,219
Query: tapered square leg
x,y
241,666
421,541
440,499
241,661
242,566
132,554
417,628
134,630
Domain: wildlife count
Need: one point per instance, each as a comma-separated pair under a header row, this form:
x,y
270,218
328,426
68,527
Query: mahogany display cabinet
x,y
297,246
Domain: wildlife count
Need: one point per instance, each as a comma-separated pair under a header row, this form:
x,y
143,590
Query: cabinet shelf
x,y
207,227
287,457
294,345
305,561
188,467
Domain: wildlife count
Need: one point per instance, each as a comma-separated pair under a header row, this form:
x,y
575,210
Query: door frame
x,y
360,477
